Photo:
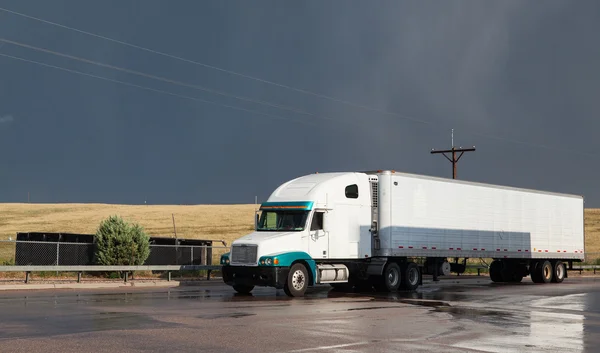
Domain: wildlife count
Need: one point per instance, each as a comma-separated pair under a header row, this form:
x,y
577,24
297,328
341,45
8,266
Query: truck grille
x,y
244,254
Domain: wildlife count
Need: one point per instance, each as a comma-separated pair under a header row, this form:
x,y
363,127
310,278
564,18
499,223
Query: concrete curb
x,y
162,284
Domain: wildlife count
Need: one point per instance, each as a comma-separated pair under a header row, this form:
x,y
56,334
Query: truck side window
x,y
317,221
352,191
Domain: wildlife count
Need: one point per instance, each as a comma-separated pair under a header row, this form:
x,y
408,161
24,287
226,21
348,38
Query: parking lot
x,y
457,314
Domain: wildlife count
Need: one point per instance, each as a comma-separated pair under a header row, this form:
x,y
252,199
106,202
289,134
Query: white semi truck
x,y
386,229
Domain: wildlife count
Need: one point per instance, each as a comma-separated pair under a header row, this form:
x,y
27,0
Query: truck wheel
x,y
297,281
391,277
496,271
243,289
411,276
545,271
559,272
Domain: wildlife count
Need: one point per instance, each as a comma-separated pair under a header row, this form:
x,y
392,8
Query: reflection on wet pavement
x,y
449,316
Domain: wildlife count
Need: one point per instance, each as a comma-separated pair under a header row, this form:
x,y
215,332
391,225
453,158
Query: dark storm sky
x,y
520,80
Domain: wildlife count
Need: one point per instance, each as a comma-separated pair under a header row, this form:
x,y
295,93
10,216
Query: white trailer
x,y
386,229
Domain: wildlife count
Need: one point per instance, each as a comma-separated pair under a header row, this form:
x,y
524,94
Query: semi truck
x,y
384,230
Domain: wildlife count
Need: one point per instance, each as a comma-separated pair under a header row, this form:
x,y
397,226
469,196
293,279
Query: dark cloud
x,y
5,119
517,79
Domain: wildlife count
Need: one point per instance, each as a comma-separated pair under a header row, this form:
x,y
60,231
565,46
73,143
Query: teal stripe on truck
x,y
286,259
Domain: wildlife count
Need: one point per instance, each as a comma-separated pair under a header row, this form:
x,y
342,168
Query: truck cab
x,y
305,227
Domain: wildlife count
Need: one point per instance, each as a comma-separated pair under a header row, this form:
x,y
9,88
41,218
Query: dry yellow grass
x,y
217,222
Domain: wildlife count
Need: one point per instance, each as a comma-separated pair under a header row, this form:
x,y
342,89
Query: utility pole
x,y
454,160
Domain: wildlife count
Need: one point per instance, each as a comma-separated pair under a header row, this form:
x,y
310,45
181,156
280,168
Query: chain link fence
x,y
41,253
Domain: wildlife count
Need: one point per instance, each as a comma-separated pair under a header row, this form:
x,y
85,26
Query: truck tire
x,y
411,276
392,276
243,289
545,271
496,271
559,271
297,281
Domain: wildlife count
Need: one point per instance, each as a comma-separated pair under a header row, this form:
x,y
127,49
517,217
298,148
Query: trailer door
x,y
318,242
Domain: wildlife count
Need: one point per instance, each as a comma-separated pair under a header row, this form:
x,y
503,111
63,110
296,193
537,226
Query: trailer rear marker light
x,y
401,247
519,250
458,249
497,249
475,249
451,248
424,248
482,249
433,247
505,249
410,247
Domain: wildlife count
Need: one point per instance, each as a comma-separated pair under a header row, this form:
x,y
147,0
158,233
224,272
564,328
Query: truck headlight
x,y
225,259
269,261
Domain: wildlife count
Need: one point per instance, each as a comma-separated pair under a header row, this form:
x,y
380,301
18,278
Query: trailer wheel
x,y
535,273
545,271
496,271
243,289
559,271
390,281
516,278
297,281
411,276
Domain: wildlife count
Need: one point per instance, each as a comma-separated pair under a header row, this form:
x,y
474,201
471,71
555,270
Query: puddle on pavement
x,y
493,317
50,325
224,315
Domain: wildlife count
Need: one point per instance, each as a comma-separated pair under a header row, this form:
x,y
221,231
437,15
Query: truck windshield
x,y
282,221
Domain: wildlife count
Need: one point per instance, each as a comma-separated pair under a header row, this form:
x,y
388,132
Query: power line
x,y
265,103
164,79
275,83
300,90
403,116
155,90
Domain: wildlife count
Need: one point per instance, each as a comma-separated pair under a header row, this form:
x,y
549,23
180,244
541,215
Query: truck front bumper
x,y
265,276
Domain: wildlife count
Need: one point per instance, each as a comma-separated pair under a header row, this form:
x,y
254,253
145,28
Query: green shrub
x,y
119,243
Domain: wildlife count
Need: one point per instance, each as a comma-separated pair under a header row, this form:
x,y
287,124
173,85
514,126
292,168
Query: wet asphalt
x,y
458,314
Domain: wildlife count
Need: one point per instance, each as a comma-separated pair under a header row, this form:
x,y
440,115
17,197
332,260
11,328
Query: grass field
x,y
216,222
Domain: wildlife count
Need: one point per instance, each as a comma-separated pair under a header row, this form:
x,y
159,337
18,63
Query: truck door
x,y
318,242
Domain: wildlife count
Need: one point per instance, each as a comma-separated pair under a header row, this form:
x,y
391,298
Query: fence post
x,y
27,273
57,256
192,255
126,275
78,277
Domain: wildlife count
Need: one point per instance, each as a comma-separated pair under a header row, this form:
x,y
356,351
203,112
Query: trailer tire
x,y
391,278
535,274
496,271
516,278
297,281
411,276
559,271
545,271
242,289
